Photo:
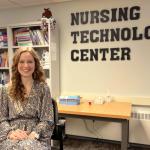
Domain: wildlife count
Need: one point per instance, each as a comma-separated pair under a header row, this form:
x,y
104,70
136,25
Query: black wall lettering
x,y
147,32
74,18
84,17
113,14
104,51
84,56
115,34
94,54
84,36
74,55
75,34
104,35
136,36
100,35
104,15
135,13
94,36
125,34
114,54
94,17
125,55
123,14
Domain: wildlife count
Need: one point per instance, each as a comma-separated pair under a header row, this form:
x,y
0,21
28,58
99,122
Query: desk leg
x,y
125,135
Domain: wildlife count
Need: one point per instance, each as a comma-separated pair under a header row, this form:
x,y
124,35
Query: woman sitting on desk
x,y
26,112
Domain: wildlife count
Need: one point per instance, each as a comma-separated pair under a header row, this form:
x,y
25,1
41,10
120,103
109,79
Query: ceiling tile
x,y
4,4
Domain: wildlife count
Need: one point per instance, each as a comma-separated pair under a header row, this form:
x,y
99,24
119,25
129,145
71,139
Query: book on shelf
x,y
44,58
22,37
4,59
28,37
38,37
4,78
3,39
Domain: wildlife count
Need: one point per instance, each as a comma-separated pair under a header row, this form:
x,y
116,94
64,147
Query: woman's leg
x,y
31,145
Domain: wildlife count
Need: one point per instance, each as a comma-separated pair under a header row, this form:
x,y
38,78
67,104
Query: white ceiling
x,y
6,4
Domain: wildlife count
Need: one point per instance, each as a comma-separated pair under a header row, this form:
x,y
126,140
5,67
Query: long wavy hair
x,y
17,89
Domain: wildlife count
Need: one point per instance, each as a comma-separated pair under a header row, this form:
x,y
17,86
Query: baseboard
x,y
133,145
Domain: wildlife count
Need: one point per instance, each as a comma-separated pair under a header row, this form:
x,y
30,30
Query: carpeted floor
x,y
82,144
72,144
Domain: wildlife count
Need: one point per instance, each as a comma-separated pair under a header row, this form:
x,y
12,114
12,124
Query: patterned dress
x,y
36,114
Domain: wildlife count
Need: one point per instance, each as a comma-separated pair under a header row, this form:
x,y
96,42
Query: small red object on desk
x,y
90,103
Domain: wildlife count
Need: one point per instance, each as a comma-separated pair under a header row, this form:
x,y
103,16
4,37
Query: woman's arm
x,y
46,117
4,124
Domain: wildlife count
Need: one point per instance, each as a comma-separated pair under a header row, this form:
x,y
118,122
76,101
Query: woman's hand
x,y
33,135
17,135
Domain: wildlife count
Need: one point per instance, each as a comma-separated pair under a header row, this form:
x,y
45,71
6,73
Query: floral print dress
x,y
36,114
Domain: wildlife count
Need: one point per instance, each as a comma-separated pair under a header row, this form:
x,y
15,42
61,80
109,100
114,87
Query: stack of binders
x,y
69,100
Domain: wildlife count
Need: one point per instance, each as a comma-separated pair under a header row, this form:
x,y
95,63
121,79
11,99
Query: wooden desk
x,y
113,112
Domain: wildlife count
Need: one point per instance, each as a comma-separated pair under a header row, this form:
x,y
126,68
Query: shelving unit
x,y
4,62
46,45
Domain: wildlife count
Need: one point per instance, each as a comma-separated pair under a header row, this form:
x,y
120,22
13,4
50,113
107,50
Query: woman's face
x,y
26,65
